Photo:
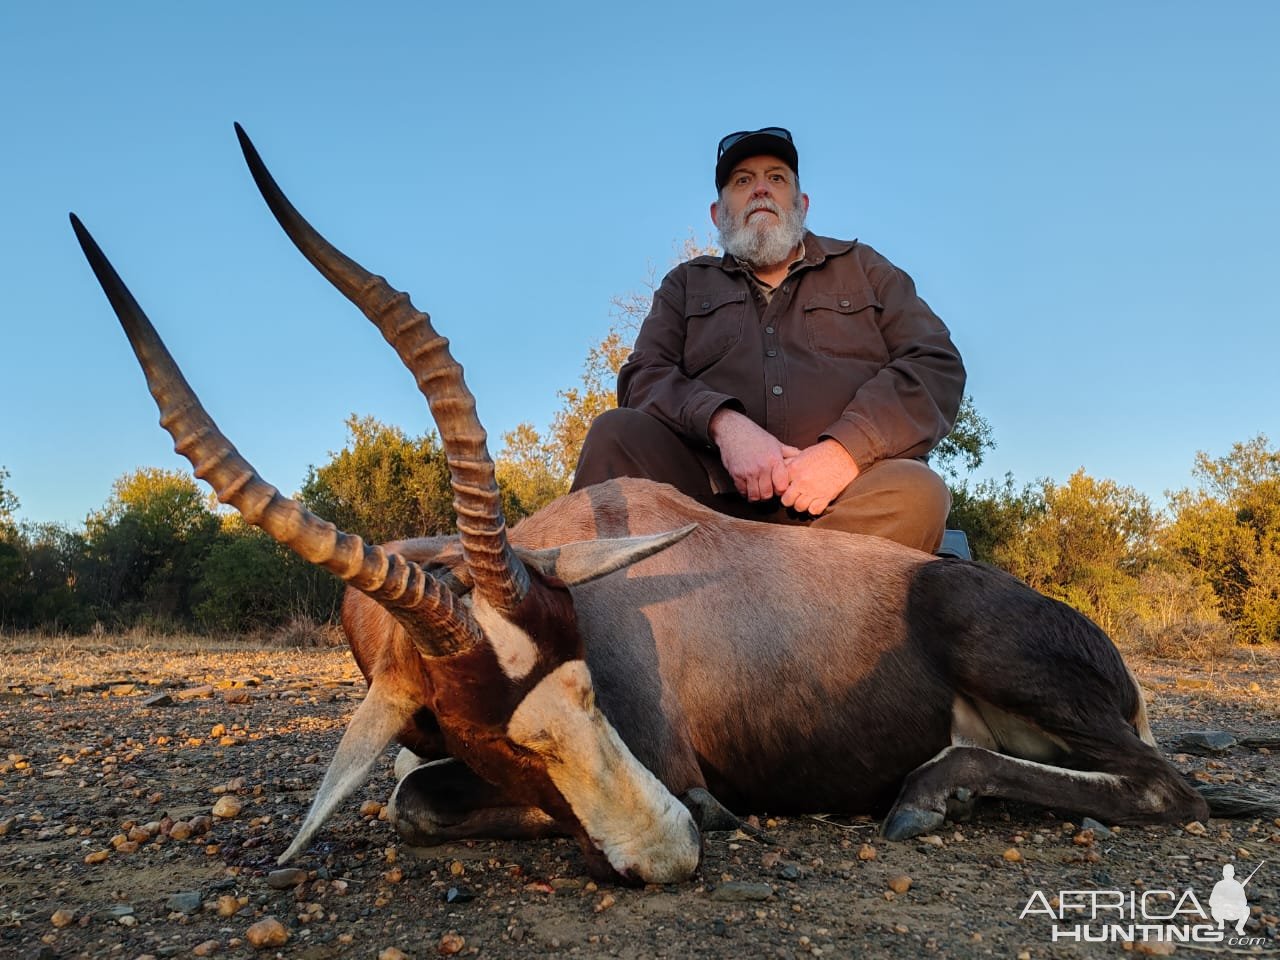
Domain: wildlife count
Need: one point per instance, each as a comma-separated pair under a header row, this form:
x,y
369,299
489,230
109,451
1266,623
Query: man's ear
x,y
715,212
586,560
804,199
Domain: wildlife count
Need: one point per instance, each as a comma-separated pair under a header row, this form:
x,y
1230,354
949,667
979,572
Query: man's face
x,y
760,212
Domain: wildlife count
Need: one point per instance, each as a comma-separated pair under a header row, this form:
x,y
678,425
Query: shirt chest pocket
x,y
713,324
845,325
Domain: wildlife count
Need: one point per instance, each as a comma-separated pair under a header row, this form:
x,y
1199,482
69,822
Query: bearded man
x,y
795,379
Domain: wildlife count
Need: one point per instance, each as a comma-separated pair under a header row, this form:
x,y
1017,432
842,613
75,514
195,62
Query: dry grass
x,y
34,658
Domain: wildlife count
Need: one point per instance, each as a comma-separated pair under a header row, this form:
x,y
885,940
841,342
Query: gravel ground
x,y
136,825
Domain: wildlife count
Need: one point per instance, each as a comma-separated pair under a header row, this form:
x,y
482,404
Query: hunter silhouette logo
x,y
1228,901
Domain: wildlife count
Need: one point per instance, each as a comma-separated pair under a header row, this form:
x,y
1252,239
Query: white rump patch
x,y
516,651
629,815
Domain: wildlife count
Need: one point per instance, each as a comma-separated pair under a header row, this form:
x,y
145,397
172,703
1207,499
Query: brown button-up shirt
x,y
844,348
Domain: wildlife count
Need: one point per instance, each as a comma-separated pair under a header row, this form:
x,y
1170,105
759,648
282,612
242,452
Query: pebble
x,y
188,902
1013,855
900,883
1101,831
206,949
459,895
180,831
392,953
1207,741
1154,948
98,856
285,878
450,944
268,932
227,906
741,890
62,917
227,807
371,808
605,902
1195,828
866,852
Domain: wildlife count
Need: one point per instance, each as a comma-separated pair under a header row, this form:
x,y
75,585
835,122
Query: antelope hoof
x,y
903,823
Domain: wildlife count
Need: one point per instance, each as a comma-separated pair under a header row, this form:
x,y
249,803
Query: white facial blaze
x,y
634,820
516,651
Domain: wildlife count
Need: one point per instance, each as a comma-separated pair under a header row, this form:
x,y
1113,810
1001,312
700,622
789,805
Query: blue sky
x,y
1086,193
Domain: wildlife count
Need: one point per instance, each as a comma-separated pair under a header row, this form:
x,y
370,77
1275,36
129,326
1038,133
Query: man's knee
x,y
629,443
921,490
901,500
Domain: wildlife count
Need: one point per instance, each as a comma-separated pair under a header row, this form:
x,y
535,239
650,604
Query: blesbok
x,y
628,665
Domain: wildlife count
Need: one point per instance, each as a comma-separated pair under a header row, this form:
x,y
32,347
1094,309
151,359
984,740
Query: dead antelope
x,y
627,661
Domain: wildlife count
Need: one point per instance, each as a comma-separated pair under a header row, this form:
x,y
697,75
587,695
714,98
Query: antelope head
x,y
501,667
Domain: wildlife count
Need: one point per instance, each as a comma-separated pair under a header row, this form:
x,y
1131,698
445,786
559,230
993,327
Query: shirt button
x,y
786,288
771,353
777,391
843,303
768,329
706,304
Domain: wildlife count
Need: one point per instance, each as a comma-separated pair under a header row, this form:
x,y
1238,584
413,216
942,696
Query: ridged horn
x,y
499,575
401,586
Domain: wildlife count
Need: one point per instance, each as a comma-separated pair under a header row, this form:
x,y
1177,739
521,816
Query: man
x,y
796,379
1228,902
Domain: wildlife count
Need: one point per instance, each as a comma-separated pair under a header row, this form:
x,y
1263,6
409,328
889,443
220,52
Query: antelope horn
x,y
410,594
500,577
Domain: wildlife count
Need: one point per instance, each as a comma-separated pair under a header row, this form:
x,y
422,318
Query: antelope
x,y
627,666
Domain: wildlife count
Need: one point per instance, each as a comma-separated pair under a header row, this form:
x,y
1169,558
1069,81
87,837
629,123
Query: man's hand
x,y
755,458
818,474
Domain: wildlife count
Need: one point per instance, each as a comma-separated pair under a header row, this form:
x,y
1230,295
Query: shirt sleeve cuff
x,y
859,439
702,409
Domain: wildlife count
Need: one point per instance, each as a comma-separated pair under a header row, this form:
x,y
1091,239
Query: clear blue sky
x,y
1087,194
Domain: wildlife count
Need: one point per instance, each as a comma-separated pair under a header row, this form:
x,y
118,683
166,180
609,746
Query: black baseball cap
x,y
767,141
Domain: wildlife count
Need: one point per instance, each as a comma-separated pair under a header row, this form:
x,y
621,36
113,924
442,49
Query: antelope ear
x,y
587,560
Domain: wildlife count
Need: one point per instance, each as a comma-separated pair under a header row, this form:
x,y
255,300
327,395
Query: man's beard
x,y
765,243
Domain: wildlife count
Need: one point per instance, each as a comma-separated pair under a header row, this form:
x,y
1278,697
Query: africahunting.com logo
x,y
1137,916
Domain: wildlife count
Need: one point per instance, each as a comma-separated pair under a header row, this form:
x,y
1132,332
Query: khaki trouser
x,y
900,500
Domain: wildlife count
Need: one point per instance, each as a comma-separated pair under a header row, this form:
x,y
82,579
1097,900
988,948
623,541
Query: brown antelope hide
x,y
628,665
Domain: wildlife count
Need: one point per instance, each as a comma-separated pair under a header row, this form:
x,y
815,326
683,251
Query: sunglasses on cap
x,y
728,141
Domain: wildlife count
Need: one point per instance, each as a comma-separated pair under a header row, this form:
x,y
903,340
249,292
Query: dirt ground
x,y
111,844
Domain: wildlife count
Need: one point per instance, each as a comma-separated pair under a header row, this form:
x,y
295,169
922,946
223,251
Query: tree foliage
x,y
993,513
250,582
8,507
1087,546
1228,527
383,485
145,546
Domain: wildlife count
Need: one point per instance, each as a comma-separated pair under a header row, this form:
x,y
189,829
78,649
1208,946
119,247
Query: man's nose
x,y
762,188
